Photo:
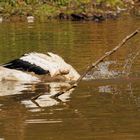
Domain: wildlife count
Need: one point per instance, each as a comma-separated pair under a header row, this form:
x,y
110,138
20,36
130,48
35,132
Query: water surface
x,y
105,106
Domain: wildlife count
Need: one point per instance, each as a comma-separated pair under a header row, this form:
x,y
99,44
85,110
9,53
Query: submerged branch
x,y
97,62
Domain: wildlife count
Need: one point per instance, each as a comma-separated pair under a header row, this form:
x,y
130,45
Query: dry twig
x,y
97,62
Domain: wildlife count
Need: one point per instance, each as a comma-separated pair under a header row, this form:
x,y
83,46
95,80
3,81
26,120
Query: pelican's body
x,y
16,75
37,67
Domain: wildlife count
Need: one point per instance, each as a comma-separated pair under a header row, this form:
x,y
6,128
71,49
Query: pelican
x,y
37,67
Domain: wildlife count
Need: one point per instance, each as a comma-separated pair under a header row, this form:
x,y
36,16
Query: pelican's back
x,y
42,64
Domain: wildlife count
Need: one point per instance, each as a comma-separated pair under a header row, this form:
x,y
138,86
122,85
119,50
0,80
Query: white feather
x,y
52,63
15,75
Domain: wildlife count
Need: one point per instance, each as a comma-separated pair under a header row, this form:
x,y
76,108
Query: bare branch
x,y
97,62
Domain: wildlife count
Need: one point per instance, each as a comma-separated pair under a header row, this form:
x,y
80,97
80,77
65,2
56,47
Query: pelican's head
x,y
60,67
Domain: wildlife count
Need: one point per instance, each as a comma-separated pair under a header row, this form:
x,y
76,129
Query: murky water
x,y
105,106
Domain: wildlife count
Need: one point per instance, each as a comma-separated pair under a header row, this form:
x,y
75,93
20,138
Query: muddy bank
x,y
96,17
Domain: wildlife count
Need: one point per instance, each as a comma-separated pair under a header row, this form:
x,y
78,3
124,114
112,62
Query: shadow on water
x,y
105,106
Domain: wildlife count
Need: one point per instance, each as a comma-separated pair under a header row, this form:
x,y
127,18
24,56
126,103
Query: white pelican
x,y
35,67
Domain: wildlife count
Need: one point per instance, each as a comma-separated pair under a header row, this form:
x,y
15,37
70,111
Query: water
x,y
105,106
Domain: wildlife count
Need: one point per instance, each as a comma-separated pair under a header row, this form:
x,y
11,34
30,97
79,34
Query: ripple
x,y
43,121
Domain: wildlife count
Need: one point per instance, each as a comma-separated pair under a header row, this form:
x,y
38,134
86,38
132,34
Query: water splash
x,y
102,71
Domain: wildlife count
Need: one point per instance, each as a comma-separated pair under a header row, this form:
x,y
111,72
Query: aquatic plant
x,y
111,2
53,8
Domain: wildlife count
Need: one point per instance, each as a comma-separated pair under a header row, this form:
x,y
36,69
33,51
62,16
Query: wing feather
x,y
43,64
20,64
